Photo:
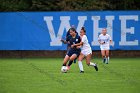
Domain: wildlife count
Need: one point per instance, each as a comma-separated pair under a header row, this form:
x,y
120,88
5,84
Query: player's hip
x,y
71,52
86,52
105,47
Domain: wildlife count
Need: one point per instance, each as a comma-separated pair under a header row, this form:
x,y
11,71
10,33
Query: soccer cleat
x,y
64,72
96,68
81,71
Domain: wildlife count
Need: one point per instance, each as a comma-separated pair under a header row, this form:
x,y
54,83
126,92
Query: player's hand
x,y
68,42
78,47
62,40
72,46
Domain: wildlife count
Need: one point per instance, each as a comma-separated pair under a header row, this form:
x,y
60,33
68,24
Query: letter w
x,y
65,24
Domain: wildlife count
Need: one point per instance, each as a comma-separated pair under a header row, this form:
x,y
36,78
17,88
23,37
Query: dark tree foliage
x,y
68,5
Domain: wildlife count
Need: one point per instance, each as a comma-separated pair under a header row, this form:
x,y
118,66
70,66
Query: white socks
x,y
107,59
80,65
92,64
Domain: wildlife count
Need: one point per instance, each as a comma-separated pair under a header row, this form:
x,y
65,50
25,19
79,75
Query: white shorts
x,y
86,52
104,47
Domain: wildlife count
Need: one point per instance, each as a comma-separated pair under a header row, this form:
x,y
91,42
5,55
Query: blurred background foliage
x,y
68,5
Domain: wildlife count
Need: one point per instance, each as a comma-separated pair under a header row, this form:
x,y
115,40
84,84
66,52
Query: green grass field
x,y
42,75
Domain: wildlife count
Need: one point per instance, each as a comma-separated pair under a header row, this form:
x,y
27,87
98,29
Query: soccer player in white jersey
x,y
105,41
85,51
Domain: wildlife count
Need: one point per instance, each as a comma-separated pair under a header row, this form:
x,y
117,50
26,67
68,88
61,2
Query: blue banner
x,y
43,30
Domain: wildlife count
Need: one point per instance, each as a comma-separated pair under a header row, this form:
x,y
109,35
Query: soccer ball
x,y
64,69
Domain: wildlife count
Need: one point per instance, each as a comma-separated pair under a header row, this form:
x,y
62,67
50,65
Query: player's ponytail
x,y
83,28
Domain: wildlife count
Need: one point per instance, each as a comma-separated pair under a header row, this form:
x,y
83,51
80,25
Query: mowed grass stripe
x,y
42,75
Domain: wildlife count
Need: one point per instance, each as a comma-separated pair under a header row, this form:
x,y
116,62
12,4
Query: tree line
x,y
68,5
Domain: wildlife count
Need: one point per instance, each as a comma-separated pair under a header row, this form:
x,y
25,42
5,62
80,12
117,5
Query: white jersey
x,y
85,49
85,43
104,39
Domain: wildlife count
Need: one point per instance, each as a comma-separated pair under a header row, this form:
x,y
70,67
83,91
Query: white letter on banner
x,y
125,30
98,30
82,20
55,40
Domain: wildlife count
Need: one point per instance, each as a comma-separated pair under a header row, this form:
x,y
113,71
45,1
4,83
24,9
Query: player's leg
x,y
71,60
75,60
89,63
107,56
103,55
80,58
66,59
68,51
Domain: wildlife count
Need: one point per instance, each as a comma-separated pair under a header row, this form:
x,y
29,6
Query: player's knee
x,y
107,55
103,54
71,59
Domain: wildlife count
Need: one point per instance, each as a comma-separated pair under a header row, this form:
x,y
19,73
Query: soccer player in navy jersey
x,y
73,52
67,42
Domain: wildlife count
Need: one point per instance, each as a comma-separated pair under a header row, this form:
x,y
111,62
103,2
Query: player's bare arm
x,y
78,44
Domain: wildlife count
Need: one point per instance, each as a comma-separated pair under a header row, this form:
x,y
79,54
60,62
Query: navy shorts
x,y
71,52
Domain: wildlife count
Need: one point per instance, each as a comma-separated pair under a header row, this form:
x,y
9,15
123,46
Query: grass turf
x,y
42,75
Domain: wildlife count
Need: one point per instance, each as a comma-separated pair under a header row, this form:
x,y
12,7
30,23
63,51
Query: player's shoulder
x,y
84,36
100,35
107,35
69,37
77,35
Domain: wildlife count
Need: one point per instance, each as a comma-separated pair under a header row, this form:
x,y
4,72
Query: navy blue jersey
x,y
68,36
72,41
